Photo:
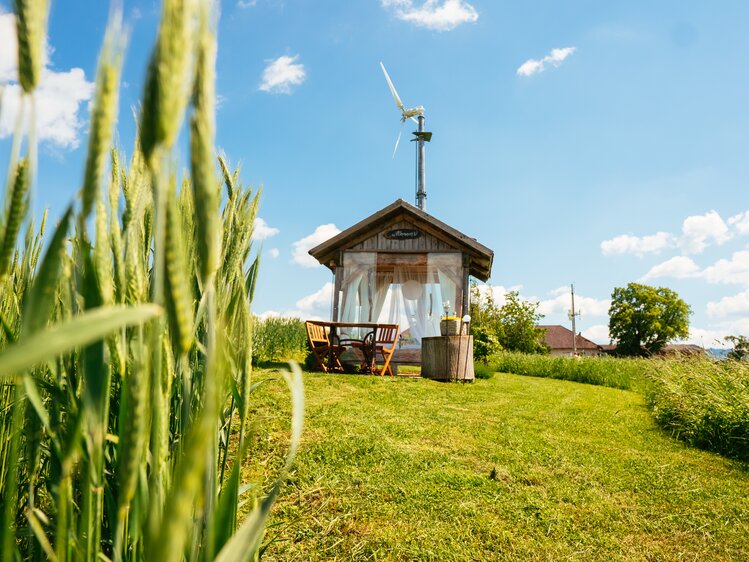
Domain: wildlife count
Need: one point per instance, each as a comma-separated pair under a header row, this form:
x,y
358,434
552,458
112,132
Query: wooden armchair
x,y
327,355
386,338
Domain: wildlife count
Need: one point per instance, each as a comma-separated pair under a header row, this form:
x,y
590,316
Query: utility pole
x,y
571,315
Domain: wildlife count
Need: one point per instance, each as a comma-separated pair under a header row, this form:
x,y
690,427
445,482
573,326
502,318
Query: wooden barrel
x,y
447,358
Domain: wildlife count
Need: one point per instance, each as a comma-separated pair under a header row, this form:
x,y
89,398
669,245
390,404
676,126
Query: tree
x,y
643,319
518,319
511,326
740,349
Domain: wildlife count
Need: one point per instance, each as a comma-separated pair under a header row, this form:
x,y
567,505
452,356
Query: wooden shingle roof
x,y
479,256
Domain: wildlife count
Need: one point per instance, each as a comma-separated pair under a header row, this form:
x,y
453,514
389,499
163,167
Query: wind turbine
x,y
415,114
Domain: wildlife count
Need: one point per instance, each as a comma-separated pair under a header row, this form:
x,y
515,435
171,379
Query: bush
x,y
702,402
279,339
483,371
485,343
603,371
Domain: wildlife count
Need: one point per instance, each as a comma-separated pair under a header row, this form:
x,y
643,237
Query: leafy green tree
x,y
519,319
511,326
740,350
643,319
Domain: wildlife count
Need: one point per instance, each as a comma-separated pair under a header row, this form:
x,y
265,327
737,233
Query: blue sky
x,y
589,142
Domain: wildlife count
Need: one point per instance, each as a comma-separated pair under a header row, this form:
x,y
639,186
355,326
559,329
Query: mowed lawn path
x,y
512,468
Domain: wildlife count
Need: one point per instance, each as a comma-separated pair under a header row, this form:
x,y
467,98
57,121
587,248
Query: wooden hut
x,y
403,266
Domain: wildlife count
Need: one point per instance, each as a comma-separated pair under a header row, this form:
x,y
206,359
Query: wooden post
x,y
447,358
337,290
466,286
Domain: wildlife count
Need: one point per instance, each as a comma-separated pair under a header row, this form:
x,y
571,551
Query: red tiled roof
x,y
559,337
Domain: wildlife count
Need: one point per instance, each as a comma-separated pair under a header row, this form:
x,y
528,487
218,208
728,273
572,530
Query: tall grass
x,y
125,353
604,371
702,402
279,339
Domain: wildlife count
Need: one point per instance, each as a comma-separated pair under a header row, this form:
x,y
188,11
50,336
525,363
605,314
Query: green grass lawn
x,y
512,468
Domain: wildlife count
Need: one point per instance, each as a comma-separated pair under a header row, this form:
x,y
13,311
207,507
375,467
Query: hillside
x,y
504,469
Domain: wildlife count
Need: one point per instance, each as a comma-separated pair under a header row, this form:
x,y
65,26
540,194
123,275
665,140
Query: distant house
x,y
559,340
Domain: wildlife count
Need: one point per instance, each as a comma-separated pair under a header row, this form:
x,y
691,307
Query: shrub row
x,y
603,371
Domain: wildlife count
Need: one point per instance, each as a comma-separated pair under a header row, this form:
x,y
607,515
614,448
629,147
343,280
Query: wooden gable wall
x,y
379,242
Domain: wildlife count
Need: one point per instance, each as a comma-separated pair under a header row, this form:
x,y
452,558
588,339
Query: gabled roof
x,y
559,337
480,257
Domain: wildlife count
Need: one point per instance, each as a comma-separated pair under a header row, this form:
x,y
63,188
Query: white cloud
x,y
708,337
318,302
714,335
301,247
561,304
246,3
281,74
59,96
269,314
679,267
724,271
555,58
8,48
315,306
735,270
438,15
261,230
736,304
699,231
598,334
639,246
740,222
274,253
497,291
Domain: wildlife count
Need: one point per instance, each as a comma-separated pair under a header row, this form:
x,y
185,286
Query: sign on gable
x,y
403,234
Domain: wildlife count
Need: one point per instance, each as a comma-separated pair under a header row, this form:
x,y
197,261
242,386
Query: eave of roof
x,y
481,256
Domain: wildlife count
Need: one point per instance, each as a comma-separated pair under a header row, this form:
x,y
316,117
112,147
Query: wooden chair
x,y
385,340
327,355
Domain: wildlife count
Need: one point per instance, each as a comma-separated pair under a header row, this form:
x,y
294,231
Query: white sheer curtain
x,y
447,269
358,289
410,295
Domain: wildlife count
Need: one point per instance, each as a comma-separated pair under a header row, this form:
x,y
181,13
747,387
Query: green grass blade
x,y
246,541
41,297
226,510
82,330
32,393
38,530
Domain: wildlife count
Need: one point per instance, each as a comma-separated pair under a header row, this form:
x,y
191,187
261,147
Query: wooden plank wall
x,y
425,243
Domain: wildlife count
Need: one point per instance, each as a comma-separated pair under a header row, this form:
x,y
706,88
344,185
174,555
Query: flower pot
x,y
450,327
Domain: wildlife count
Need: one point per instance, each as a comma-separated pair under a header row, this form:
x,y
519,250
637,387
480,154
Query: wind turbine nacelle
x,y
413,112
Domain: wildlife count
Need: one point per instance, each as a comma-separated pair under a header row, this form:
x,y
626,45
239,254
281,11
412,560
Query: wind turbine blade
x,y
397,99
397,141
412,118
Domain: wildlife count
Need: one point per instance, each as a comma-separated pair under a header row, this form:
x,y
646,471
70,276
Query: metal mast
x,y
422,136
421,190
571,315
